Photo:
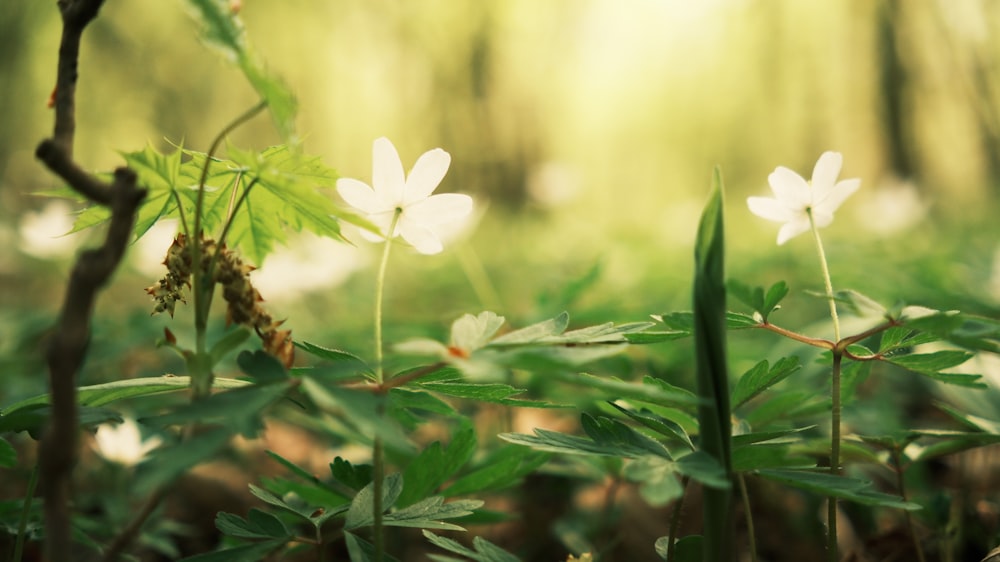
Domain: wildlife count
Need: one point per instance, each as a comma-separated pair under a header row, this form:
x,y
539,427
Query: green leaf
x,y
359,410
682,323
965,330
361,550
354,477
429,513
712,371
496,393
652,390
165,464
8,455
258,525
232,340
244,553
657,478
360,512
931,365
502,469
613,439
774,296
437,464
101,394
859,304
761,377
239,409
971,421
851,489
224,30
261,366
663,426
34,418
485,551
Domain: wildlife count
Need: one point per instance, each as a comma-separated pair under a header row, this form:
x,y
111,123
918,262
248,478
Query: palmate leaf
x,y
282,196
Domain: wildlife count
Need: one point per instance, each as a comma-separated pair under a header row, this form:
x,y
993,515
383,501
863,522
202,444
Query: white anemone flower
x,y
423,217
794,197
122,443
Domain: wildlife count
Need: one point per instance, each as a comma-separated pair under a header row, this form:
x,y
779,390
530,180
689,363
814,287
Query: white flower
x,y
422,215
122,443
794,197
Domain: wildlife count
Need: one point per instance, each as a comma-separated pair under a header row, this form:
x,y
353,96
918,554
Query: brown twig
x,y
68,345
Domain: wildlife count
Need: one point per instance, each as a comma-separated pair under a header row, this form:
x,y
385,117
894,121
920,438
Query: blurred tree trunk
x,y
894,79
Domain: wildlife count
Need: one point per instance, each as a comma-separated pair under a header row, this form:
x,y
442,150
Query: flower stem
x,y
745,497
378,450
831,514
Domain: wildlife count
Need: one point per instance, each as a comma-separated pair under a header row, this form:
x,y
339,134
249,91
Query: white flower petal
x,y
792,229
826,170
387,172
440,209
426,175
838,194
358,194
789,187
422,238
771,209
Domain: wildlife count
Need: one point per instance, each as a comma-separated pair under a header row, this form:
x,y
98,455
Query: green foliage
x,y
484,550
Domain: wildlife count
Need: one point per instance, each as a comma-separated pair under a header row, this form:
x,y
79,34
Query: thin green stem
x,y
22,527
675,520
378,450
834,392
202,287
897,459
745,497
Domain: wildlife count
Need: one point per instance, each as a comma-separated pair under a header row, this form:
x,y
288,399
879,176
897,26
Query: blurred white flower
x,y
122,443
44,233
293,269
422,215
794,197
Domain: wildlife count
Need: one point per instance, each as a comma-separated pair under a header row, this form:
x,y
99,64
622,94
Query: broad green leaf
x,y
437,464
429,513
106,393
258,525
8,455
608,431
711,368
360,512
505,468
774,296
851,489
761,377
614,441
701,467
966,330
901,337
485,551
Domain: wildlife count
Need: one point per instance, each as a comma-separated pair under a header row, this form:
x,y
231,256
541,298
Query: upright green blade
x,y
712,373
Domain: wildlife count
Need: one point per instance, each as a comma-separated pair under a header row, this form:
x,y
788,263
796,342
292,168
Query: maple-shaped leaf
x,y
262,193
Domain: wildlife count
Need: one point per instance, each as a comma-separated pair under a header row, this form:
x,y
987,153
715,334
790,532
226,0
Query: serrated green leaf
x,y
258,525
429,513
271,499
618,441
485,551
931,365
262,366
774,296
360,512
966,330
761,377
437,464
663,426
504,468
354,477
851,489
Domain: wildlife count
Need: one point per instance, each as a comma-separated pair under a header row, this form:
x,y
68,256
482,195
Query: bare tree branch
x,y
68,346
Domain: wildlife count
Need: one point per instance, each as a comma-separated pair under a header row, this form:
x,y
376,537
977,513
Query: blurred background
x,y
586,130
